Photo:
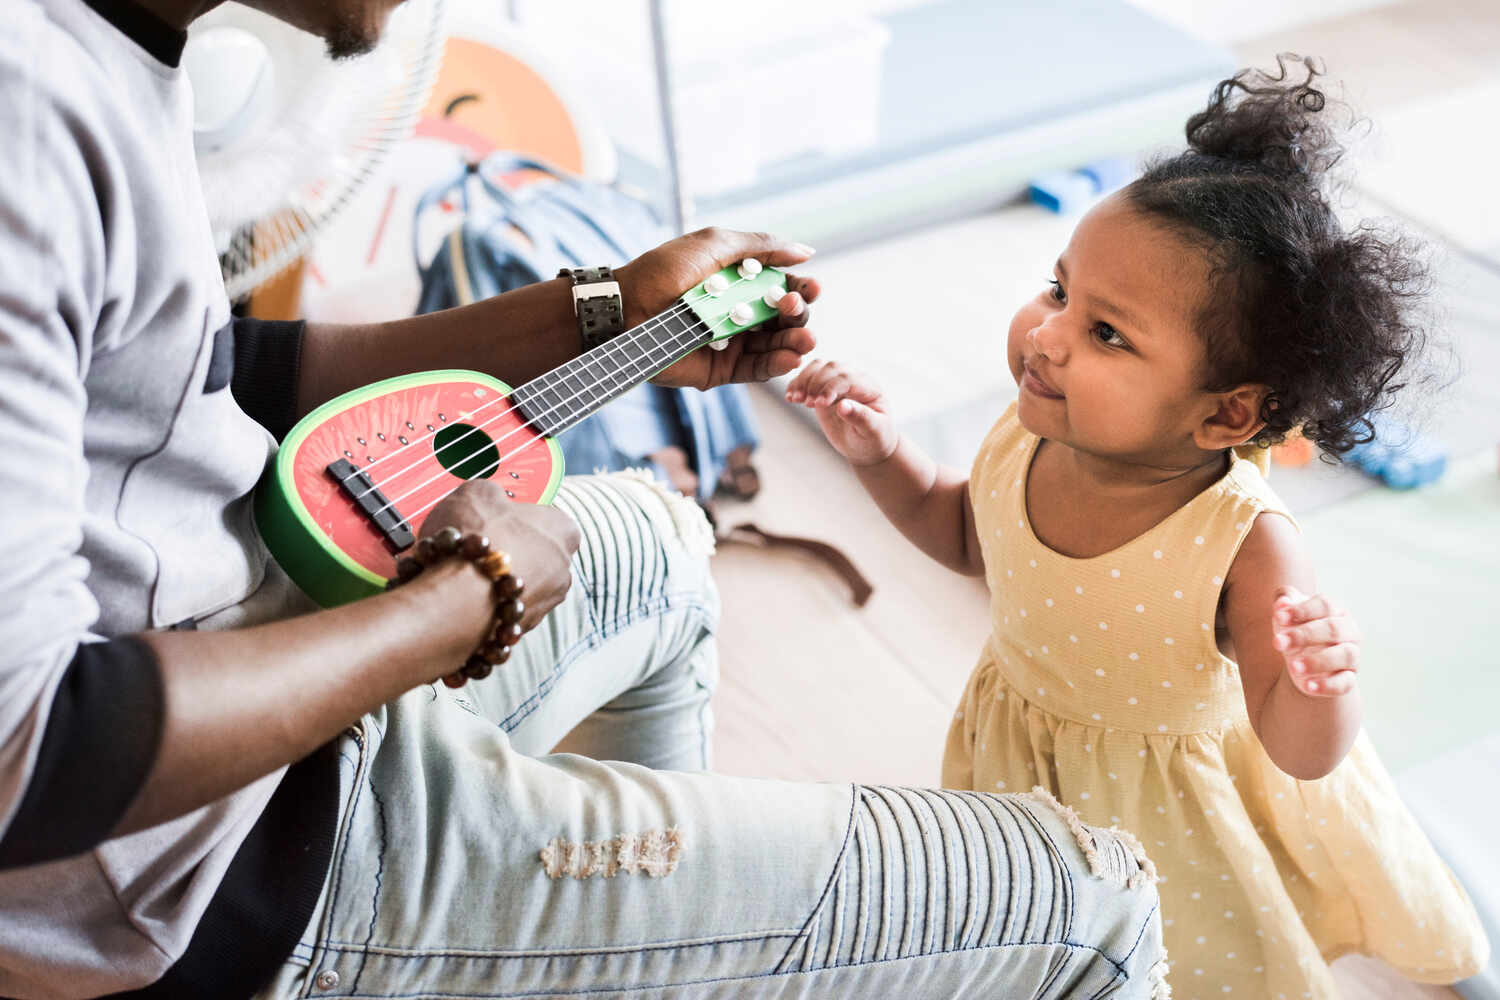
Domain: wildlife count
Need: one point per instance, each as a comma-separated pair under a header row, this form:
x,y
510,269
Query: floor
x,y
814,688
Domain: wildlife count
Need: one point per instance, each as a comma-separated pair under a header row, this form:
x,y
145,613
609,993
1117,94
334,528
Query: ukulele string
x,y
630,338
669,347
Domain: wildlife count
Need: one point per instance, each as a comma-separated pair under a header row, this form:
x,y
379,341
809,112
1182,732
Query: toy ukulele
x,y
354,480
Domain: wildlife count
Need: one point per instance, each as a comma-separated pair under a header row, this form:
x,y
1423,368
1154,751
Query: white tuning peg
x,y
773,295
742,314
749,267
715,284
719,345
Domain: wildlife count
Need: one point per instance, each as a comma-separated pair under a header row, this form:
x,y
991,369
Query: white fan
x,y
285,136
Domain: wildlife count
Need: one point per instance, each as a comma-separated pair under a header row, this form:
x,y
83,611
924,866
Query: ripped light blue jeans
x,y
470,863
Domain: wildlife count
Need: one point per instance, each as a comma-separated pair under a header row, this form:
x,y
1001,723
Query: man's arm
x,y
528,332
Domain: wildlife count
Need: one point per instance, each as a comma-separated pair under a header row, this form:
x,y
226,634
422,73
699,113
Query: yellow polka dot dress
x,y
1102,682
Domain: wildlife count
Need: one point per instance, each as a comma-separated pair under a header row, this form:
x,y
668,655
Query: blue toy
x,y
1399,457
1069,191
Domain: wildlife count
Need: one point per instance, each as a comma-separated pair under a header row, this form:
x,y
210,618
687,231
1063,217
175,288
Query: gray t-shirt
x,y
125,480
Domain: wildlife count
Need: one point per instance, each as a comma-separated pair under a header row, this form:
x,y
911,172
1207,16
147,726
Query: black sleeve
x,y
267,357
101,741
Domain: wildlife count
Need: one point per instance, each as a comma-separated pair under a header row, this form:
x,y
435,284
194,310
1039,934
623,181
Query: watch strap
x,y
597,304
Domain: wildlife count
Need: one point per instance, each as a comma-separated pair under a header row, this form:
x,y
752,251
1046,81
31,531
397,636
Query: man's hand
x,y
1319,642
539,539
655,279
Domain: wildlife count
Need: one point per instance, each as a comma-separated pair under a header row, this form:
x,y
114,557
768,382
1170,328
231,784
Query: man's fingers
x,y
730,246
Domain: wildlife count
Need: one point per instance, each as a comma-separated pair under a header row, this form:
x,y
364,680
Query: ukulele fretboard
x,y
559,399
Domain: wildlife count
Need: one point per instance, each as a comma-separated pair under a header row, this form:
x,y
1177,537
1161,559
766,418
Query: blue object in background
x,y
1069,191
1399,457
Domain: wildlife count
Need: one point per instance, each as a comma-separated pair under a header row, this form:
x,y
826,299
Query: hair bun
x,y
1269,122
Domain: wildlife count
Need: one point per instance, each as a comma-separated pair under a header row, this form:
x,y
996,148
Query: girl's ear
x,y
1235,419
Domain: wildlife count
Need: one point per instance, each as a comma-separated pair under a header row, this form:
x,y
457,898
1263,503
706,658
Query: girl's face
x,y
1107,356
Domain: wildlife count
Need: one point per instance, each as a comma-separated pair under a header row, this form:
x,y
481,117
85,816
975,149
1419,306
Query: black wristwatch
x,y
596,303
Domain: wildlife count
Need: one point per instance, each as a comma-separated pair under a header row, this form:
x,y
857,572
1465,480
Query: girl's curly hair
x,y
1327,319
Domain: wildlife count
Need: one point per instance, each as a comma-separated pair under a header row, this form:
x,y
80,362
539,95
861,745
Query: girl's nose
x,y
1048,342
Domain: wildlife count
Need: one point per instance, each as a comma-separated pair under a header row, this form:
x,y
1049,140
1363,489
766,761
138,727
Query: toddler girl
x,y
1154,662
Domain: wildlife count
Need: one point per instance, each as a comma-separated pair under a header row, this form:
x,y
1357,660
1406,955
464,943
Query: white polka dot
x,y
1028,654
1140,753
994,493
1072,638
1023,612
1218,580
1104,626
1083,795
1198,540
1140,608
1088,748
1114,573
999,533
1156,554
1009,573
1032,562
1041,691
1188,832
1202,939
1098,671
1000,785
1169,640
1132,701
1020,523
1198,895
1197,972
1228,914
1135,656
999,695
1044,650
1207,627
1077,590
1096,716
1201,705
1049,602
1230,955
1161,729
1197,666
1162,810
1177,594
1007,619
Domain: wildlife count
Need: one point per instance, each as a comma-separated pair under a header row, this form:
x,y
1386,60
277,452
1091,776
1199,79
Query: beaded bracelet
x,y
505,586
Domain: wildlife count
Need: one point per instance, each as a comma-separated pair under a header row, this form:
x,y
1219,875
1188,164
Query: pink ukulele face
x,y
416,444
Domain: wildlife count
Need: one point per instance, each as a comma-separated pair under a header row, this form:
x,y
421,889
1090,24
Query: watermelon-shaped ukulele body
x,y
354,480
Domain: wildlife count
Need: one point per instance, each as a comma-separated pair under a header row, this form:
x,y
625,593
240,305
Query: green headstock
x,y
738,297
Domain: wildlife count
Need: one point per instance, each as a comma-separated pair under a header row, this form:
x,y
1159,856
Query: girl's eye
x,y
1109,336
1056,291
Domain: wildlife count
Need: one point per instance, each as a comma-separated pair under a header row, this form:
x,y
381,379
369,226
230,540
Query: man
x,y
207,788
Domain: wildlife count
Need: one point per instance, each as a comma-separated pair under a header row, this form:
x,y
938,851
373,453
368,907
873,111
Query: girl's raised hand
x,y
1319,642
850,409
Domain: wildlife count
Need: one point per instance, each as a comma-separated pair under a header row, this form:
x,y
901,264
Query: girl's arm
x,y
927,502
1297,656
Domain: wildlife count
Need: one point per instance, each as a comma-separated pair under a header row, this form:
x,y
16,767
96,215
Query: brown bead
x,y
477,668
495,651
494,564
426,551
455,679
509,612
510,586
446,541
473,546
508,634
407,567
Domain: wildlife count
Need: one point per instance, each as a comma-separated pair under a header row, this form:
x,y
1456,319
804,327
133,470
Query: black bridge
x,y
386,518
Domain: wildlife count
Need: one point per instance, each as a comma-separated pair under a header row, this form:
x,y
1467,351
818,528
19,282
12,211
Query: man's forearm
x,y
240,704
514,337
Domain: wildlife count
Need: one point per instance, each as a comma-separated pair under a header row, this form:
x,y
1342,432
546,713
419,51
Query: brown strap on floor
x,y
749,534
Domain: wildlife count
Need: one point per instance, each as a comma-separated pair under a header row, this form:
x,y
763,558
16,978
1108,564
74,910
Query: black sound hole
x,y
473,457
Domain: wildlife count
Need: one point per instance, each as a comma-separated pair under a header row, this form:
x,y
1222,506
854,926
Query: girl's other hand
x,y
1319,642
850,409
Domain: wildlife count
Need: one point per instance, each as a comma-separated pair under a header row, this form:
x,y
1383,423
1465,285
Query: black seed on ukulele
x,y
409,426
381,436
360,440
515,475
431,428
370,458
509,493
401,438
348,453
443,417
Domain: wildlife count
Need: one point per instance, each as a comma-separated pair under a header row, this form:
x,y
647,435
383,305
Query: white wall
x,y
1232,21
